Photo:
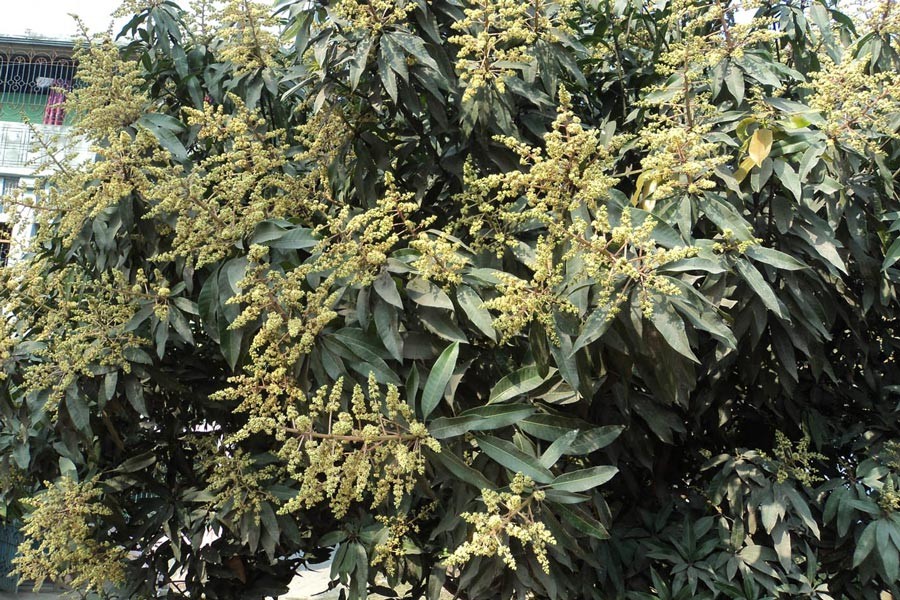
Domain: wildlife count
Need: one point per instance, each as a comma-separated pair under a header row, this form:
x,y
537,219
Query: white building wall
x,y
21,154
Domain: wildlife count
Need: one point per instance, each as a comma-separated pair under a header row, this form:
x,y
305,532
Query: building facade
x,y
35,75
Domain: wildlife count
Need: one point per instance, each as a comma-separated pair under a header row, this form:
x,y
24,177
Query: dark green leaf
x,y
438,378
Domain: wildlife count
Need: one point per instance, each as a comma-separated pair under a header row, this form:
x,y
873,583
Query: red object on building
x,y
55,113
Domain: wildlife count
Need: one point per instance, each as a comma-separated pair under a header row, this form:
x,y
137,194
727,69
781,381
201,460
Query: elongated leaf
x,y
789,178
472,305
890,560
79,411
582,522
517,383
892,255
595,326
483,418
299,238
558,448
387,325
164,127
442,324
412,386
360,60
777,259
416,48
584,479
448,427
760,145
423,292
670,324
439,378
765,292
507,454
460,469
865,544
387,289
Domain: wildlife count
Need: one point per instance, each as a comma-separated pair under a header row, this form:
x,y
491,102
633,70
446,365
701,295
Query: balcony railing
x,y
33,84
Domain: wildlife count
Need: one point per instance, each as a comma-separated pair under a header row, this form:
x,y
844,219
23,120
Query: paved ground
x,y
308,585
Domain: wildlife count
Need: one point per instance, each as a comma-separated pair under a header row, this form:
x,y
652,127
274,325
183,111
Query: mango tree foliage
x,y
574,299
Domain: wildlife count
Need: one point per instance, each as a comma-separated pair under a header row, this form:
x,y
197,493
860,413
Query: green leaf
x,y
886,549
423,292
387,325
473,306
138,462
581,521
558,448
725,216
518,383
180,325
483,418
164,127
460,470
670,324
756,282
412,386
595,326
734,80
789,178
507,454
134,391
360,60
362,356
416,47
865,544
68,469
777,259
584,479
439,378
298,238
387,289
78,411
442,324
809,160
230,345
892,255
552,427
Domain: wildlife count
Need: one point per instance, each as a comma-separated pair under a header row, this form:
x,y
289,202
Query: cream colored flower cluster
x,y
507,516
496,38
347,450
372,16
62,535
563,185
859,107
220,201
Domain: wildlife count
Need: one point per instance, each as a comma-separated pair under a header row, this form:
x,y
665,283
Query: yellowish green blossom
x,y
345,450
565,185
858,106
507,515
62,539
372,16
495,35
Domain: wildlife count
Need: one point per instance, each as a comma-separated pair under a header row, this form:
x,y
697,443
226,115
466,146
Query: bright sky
x,y
50,18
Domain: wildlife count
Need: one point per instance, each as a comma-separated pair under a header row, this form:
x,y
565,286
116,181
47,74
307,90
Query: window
x,y
8,184
5,243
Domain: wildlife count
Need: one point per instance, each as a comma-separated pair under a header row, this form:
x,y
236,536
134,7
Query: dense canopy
x,y
574,299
